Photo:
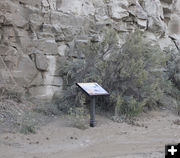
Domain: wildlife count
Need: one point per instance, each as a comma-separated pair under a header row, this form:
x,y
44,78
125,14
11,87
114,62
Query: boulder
x,y
76,7
44,92
67,34
24,40
150,36
41,61
138,11
62,50
153,8
60,63
5,77
100,11
166,42
78,48
7,51
2,66
46,46
154,11
16,19
72,7
174,25
118,9
36,20
100,15
45,35
48,28
14,36
142,23
53,81
59,19
37,81
11,61
156,25
7,6
12,14
52,60
9,35
9,57
25,71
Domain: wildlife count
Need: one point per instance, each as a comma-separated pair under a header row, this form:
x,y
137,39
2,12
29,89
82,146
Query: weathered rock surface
x,y
118,9
41,62
37,36
62,50
25,71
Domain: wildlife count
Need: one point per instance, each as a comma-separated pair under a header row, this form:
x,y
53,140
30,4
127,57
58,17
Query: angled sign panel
x,y
92,89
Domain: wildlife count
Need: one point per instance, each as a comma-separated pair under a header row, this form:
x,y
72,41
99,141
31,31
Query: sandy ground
x,y
107,140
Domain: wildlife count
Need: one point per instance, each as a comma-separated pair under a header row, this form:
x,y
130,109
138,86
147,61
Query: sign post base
x,y
92,111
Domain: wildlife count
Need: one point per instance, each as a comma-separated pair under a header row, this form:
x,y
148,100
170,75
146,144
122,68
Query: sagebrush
x,y
133,74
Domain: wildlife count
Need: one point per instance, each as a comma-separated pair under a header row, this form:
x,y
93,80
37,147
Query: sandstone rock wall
x,y
36,36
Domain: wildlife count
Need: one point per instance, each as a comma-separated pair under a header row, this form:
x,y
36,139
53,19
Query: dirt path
x,y
107,140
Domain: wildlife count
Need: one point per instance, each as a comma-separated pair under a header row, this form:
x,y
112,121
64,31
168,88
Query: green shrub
x,y
28,129
48,109
133,74
136,73
173,69
28,123
175,93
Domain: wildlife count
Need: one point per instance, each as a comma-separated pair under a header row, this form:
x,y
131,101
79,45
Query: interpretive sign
x,y
92,89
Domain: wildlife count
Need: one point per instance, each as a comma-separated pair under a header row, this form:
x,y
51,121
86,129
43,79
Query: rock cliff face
x,y
37,36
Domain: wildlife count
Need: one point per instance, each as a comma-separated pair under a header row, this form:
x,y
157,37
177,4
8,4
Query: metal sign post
x,y
92,111
93,90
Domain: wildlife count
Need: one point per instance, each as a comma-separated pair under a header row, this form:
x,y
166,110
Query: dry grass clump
x,y
12,93
19,114
13,107
78,116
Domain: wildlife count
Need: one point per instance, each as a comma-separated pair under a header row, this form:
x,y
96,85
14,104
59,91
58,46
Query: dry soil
x,y
108,139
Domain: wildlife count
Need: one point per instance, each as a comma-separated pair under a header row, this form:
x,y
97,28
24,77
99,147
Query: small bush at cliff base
x,y
78,117
28,123
133,74
11,92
